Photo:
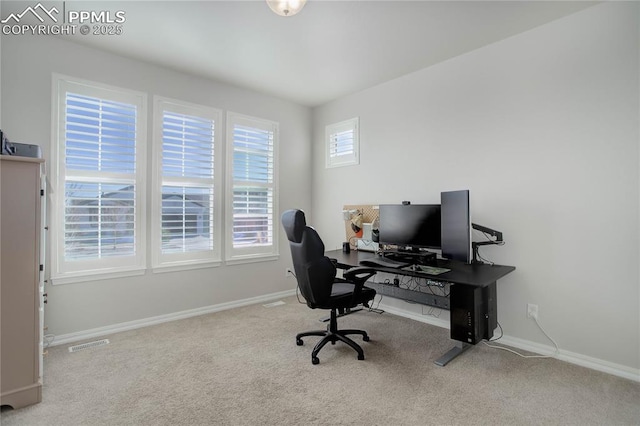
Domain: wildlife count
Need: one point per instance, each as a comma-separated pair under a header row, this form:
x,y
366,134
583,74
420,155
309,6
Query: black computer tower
x,y
490,301
473,312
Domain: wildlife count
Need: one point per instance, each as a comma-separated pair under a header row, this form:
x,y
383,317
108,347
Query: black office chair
x,y
316,275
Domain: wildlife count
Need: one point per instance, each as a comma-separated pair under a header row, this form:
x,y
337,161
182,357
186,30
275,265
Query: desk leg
x,y
459,348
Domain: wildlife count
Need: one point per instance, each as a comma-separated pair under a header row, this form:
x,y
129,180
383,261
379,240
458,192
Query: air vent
x,y
88,345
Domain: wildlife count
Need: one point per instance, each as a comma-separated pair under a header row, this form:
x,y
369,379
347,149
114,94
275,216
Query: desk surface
x,y
477,275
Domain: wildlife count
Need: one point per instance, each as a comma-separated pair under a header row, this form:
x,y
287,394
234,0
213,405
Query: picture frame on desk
x,y
367,245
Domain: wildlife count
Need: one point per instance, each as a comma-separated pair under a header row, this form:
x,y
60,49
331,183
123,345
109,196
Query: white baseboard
x,y
574,358
145,322
570,357
563,355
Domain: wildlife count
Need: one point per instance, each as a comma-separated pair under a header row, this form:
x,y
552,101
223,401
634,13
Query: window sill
x,y
335,164
251,259
79,277
161,269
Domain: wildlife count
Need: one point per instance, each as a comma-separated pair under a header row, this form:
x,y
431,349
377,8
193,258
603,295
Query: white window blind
x,y
187,181
253,186
342,143
187,152
252,192
100,138
98,207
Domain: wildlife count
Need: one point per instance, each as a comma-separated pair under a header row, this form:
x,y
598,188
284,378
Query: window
x,y
342,143
186,219
251,188
98,199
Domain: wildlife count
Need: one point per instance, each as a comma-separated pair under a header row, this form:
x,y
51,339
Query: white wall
x,y
27,67
543,129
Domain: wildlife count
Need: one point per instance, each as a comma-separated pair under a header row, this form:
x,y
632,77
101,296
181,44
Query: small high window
x,y
343,143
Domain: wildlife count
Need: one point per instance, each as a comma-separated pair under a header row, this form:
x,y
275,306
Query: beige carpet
x,y
242,367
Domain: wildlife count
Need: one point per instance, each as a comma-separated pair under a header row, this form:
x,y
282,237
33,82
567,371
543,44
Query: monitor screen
x,y
411,226
456,225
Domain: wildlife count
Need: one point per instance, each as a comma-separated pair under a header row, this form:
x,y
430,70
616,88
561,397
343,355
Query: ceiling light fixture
x,y
286,7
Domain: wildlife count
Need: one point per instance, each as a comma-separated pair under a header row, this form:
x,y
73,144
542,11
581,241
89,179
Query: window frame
x,y
64,271
252,253
353,125
168,262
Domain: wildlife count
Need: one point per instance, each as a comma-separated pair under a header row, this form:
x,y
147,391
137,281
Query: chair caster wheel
x,y
299,342
315,361
360,357
365,338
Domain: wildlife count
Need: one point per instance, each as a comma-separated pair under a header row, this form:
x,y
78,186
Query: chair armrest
x,y
359,274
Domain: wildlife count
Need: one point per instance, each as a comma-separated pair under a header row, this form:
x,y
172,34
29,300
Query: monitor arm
x,y
492,232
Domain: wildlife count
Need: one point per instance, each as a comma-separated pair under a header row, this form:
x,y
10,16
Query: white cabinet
x,y
21,280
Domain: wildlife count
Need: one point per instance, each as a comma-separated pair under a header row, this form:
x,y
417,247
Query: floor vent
x,y
88,345
272,304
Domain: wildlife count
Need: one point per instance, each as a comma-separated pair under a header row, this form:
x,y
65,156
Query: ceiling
x,y
330,49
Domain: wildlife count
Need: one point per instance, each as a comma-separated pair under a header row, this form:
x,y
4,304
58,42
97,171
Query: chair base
x,y
342,313
332,334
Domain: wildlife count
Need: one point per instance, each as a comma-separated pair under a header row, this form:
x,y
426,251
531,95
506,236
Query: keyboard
x,y
384,262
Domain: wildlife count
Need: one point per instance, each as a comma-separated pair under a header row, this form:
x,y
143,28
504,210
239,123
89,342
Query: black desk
x,y
472,301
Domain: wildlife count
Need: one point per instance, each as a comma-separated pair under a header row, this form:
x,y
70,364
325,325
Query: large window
x,y
99,162
186,214
99,178
251,188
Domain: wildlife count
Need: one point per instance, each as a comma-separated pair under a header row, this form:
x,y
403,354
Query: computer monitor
x,y
410,227
456,225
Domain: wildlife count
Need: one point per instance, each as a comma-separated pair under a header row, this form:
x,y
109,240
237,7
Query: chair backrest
x,y
314,271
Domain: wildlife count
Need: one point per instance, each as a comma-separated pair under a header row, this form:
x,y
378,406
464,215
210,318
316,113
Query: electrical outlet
x,y
532,311
288,273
